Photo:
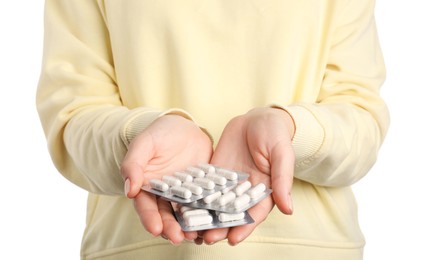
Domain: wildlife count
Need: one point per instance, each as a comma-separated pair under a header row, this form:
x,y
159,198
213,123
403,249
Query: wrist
x,y
288,119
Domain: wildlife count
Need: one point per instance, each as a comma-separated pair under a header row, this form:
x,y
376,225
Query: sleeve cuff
x,y
140,120
309,134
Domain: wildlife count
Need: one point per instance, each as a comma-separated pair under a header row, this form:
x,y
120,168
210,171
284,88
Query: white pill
x,y
159,185
257,191
195,172
171,181
226,217
195,212
217,179
194,188
185,208
210,198
198,220
241,201
204,183
228,174
207,168
226,198
227,189
184,177
181,192
242,188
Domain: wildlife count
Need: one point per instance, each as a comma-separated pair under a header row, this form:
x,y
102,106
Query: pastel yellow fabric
x,y
111,67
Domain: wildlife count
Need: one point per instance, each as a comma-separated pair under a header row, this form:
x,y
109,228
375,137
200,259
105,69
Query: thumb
x,y
133,177
134,163
282,172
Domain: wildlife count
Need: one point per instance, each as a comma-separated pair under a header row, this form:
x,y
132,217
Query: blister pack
x,y
239,199
194,183
192,219
207,197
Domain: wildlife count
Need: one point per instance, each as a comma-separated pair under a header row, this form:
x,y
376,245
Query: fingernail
x,y
290,204
127,186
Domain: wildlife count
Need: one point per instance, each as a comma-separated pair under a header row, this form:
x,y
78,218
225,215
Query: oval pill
x,y
198,220
171,180
241,201
217,179
195,172
226,198
207,168
210,198
184,177
158,185
257,190
242,188
181,192
228,174
205,183
227,189
195,189
195,212
226,217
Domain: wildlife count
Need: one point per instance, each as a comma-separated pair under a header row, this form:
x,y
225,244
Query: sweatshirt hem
x,y
258,240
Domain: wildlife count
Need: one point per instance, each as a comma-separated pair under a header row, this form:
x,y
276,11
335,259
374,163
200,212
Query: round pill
x,y
210,198
241,201
217,179
226,198
184,177
226,217
171,181
242,188
257,190
198,220
181,192
195,212
207,168
228,174
204,183
195,172
195,189
158,185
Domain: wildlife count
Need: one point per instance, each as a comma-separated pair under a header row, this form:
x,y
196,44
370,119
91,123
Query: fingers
x,y
147,209
259,213
212,236
282,171
156,215
171,228
237,234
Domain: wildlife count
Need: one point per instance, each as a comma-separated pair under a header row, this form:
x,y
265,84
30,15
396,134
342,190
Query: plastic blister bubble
x,y
237,204
209,184
201,220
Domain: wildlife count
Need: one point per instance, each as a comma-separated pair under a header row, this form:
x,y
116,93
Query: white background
x,y
42,214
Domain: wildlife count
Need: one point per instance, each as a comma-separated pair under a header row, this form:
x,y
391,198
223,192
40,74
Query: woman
x,y
287,91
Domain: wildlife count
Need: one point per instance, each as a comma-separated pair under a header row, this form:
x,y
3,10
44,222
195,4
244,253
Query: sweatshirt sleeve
x,y
338,137
86,125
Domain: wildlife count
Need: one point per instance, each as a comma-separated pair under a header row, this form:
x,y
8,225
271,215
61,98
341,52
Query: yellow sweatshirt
x,y
111,67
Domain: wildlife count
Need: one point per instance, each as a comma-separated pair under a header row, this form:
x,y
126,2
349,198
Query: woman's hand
x,y
259,143
169,144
